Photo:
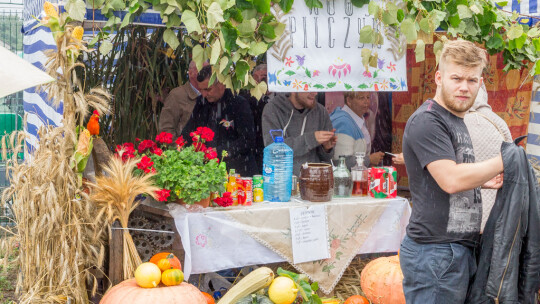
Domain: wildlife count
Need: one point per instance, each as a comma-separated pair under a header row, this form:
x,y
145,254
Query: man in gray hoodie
x,y
306,126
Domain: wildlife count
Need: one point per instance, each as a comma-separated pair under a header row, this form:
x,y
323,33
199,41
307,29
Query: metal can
x,y
257,181
248,190
258,195
241,191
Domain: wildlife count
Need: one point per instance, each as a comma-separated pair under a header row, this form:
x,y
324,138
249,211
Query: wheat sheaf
x,y
282,46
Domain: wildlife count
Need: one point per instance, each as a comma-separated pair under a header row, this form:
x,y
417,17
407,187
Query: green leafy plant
x,y
306,290
230,33
188,173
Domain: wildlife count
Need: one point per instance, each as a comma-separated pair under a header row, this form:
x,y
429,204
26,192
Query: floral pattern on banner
x,y
509,95
295,70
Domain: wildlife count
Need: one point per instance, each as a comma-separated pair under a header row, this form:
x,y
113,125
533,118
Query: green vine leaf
x,y
257,48
464,11
214,15
76,9
331,85
437,50
105,47
348,87
259,90
515,31
366,34
308,73
198,56
267,31
533,32
478,10
286,5
229,35
169,36
262,6
319,86
290,73
409,30
363,86
424,26
126,21
242,69
216,51
314,3
390,14
373,9
247,27
191,22
366,54
359,3
420,50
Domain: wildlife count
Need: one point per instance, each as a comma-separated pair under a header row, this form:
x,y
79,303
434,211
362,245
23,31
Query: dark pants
x,y
435,273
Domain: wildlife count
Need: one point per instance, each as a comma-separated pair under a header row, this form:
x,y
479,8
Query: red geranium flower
x,y
205,133
164,138
224,201
200,147
145,164
210,153
146,145
180,142
127,150
163,195
157,151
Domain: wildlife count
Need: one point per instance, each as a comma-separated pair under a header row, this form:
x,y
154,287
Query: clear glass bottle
x,y
342,179
360,176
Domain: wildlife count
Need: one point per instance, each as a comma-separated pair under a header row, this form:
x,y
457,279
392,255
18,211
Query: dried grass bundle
x,y
60,237
116,192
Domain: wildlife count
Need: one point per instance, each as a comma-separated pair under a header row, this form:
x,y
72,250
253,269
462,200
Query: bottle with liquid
x,y
360,176
342,179
232,187
277,171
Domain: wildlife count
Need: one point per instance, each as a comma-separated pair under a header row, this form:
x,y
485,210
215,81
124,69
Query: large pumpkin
x,y
381,281
174,262
128,292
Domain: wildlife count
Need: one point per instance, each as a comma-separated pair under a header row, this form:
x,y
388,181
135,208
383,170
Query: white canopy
x,y
17,74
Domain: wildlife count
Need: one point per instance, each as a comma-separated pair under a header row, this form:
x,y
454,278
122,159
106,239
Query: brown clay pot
x,y
205,202
316,182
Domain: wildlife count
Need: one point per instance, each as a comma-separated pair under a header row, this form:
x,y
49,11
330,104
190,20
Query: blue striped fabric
x,y
36,105
527,7
533,139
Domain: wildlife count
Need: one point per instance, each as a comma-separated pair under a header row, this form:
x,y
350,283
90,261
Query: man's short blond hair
x,y
463,53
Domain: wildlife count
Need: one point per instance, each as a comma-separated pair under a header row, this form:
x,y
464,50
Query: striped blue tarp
x,y
36,104
533,140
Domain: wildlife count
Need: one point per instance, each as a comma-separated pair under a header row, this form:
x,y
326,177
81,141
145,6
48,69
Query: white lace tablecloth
x,y
213,240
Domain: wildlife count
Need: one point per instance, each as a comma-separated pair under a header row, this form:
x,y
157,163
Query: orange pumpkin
x,y
172,277
128,292
356,299
174,262
381,280
209,298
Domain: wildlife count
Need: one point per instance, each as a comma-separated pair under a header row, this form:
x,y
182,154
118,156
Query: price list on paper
x,y
309,233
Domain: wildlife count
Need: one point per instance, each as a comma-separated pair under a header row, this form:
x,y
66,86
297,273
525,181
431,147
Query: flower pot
x,y
205,202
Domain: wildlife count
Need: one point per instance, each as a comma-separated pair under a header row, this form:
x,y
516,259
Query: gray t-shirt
x,y
433,133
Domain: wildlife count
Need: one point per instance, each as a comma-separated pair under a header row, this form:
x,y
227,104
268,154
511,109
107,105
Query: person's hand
x,y
494,183
323,136
376,158
398,160
330,143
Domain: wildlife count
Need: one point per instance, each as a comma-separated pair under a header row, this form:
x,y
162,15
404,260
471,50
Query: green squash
x,y
254,299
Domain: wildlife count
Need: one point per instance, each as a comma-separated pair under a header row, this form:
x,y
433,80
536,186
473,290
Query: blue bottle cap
x,y
278,139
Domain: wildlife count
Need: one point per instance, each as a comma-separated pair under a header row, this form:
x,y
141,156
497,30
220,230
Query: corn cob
x,y
78,32
255,280
50,9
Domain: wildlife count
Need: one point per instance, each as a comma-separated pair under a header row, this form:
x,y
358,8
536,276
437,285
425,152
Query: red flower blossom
x,y
205,133
210,153
200,147
180,142
145,164
127,150
224,201
164,138
157,151
146,145
137,139
163,195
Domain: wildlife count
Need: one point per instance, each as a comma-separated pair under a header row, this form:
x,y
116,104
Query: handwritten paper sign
x,y
309,233
320,50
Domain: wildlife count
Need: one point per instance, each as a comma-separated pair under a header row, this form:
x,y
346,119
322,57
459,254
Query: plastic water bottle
x,y
277,170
